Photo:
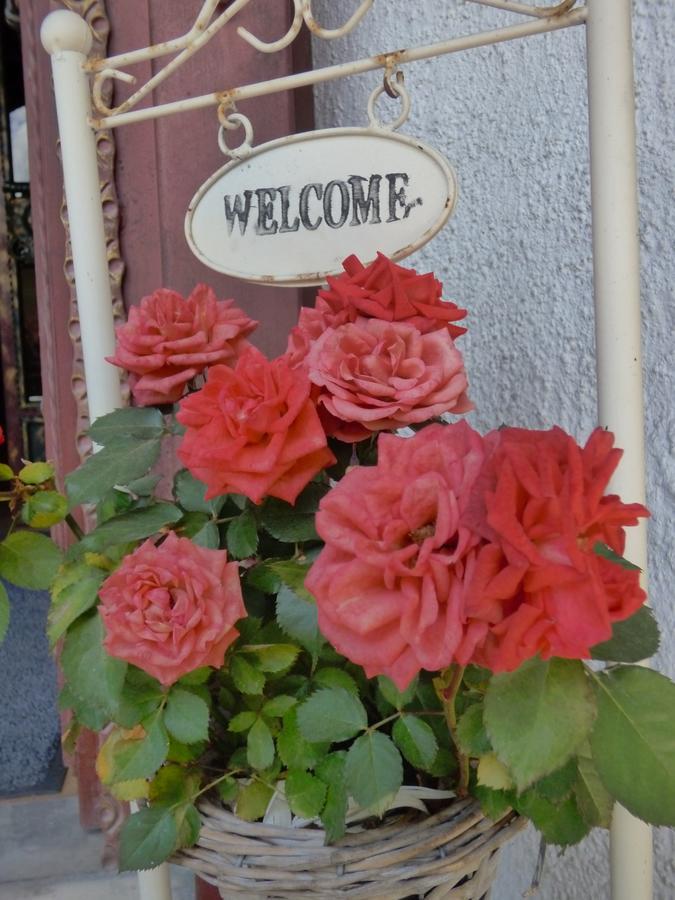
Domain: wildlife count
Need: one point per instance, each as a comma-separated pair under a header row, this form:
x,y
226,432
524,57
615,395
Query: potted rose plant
x,y
348,602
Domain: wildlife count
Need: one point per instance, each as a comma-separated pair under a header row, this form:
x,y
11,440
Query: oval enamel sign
x,y
291,210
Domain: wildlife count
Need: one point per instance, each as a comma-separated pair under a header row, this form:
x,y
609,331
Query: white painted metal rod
x,y
67,39
617,316
358,67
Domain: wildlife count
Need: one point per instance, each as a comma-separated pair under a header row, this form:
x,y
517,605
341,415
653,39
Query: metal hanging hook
x,y
392,85
274,46
331,33
231,121
97,88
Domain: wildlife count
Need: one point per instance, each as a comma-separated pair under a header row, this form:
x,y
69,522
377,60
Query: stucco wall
x,y
513,121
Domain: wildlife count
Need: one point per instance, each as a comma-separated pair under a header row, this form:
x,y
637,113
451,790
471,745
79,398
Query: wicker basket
x,y
451,855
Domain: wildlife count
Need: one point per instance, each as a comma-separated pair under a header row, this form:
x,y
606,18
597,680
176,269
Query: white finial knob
x,y
65,30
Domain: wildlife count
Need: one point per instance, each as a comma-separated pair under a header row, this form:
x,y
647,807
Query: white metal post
x,y
616,266
67,39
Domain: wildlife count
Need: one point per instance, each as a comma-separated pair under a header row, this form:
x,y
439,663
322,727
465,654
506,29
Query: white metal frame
x,y
81,112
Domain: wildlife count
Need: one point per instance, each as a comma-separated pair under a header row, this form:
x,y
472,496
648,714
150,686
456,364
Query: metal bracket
x,y
526,9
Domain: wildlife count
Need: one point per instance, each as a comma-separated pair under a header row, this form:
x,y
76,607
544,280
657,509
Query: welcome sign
x,y
291,210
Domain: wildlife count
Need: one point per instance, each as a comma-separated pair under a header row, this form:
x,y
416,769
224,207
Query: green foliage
x,y
632,640
260,746
127,426
242,535
373,771
294,749
299,619
331,770
36,473
560,824
306,794
416,741
190,494
293,524
29,560
253,800
44,509
186,716
331,714
607,553
594,801
140,697
147,839
140,757
397,699
134,525
75,590
273,658
246,677
471,733
114,464
93,676
331,677
6,474
553,706
632,741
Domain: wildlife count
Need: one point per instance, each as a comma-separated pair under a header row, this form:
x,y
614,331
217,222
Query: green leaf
x,y
593,799
306,794
36,473
416,741
557,786
260,746
242,721
186,716
196,676
553,705
278,706
273,658
189,492
373,771
632,640
494,804
141,696
246,678
75,590
208,537
299,619
143,487
6,474
141,758
253,800
293,524
292,573
44,509
471,733
633,742
93,676
559,824
294,750
331,714
4,612
336,678
132,526
331,770
192,523
128,425
90,716
184,753
492,773
263,578
242,535
29,560
397,699
228,789
189,824
147,839
173,785
607,553
110,466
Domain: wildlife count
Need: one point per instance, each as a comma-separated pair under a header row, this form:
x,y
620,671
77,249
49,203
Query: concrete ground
x,y
44,853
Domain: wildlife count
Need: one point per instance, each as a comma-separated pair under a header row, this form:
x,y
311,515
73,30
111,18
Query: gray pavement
x,y
44,853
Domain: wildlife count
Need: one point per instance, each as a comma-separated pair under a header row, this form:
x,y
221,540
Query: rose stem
x,y
447,686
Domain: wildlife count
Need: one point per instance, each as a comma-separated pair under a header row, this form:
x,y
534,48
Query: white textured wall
x,y
517,253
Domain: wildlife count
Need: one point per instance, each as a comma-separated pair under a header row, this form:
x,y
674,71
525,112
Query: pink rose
x,y
254,430
168,340
537,586
389,584
382,290
172,609
375,375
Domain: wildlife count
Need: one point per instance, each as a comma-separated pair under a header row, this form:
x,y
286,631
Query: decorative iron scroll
x,y
211,18
94,12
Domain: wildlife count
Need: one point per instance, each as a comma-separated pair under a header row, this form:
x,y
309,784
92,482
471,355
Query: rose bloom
x,y
169,339
537,586
172,609
253,430
375,375
382,290
389,583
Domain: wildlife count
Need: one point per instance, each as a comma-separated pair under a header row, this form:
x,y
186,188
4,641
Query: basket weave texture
x,y
451,855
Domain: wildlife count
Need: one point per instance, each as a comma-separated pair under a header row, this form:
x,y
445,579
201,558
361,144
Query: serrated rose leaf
x,y
416,741
331,714
260,746
306,794
29,560
186,716
553,704
147,839
373,771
